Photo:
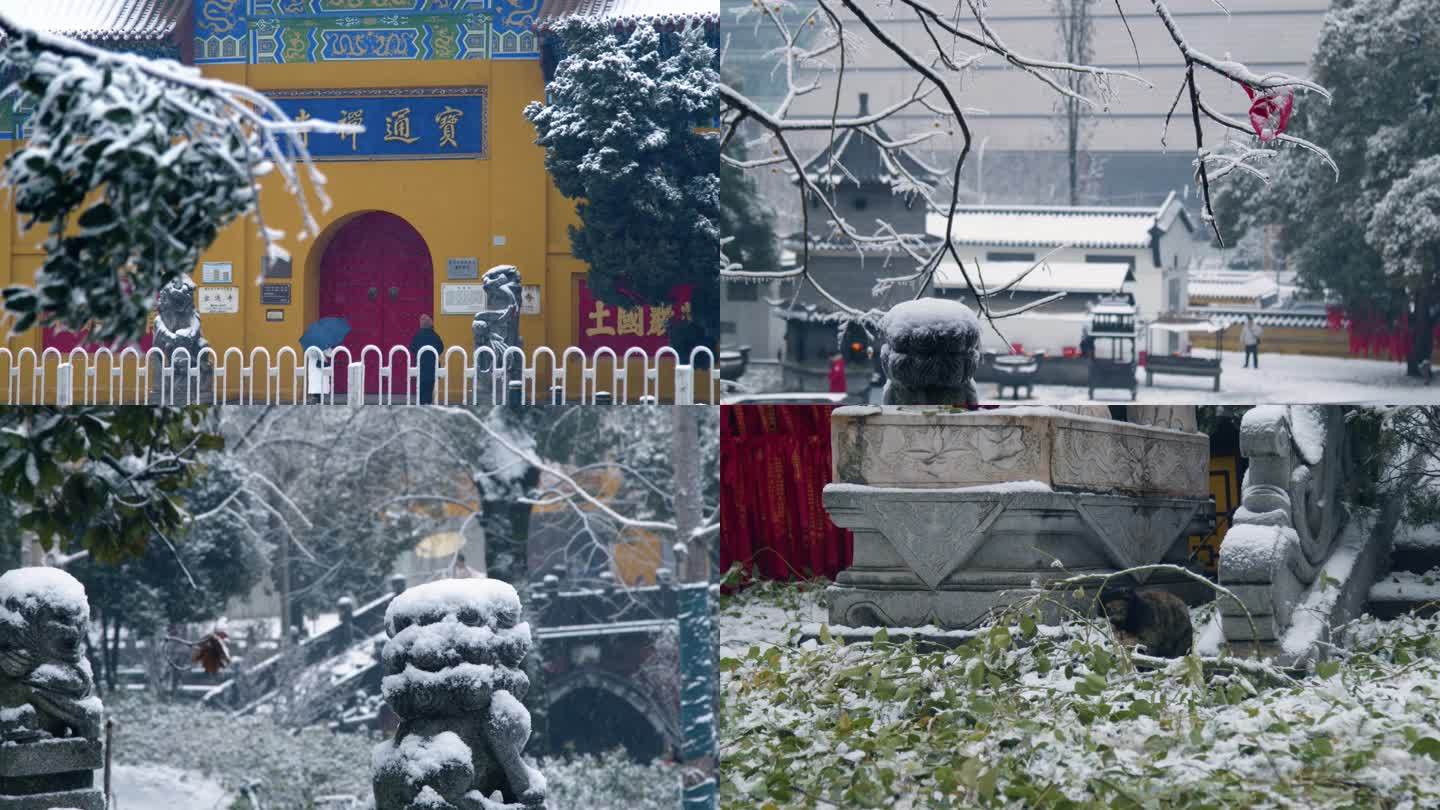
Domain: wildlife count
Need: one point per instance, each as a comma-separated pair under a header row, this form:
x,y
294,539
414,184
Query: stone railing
x,y
247,689
1287,555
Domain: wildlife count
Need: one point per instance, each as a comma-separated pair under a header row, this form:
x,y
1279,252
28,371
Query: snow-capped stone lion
x,y
45,679
930,354
453,673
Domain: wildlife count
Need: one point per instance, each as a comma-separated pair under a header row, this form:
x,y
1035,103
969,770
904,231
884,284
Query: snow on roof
x,y
100,19
1298,318
859,159
1174,323
1112,308
1074,277
1054,225
1243,285
678,12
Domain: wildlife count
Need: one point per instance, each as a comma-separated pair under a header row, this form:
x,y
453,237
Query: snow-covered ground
x,y
1282,378
146,787
1025,715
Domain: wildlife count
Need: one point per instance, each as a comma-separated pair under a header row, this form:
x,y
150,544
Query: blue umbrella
x,y
325,334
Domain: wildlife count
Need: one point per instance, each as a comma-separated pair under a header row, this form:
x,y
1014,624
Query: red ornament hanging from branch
x,y
1270,111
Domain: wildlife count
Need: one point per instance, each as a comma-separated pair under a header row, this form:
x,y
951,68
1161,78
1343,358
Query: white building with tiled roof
x,y
1155,244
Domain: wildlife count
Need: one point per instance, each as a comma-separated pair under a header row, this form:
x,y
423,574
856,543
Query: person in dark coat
x,y
426,336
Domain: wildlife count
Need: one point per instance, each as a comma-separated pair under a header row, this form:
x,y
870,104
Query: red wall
x,y
775,460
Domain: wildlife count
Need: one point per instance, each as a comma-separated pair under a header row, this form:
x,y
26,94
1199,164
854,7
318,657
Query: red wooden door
x,y
376,273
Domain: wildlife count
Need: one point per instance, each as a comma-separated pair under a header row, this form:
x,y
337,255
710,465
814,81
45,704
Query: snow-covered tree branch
x,y
816,50
135,165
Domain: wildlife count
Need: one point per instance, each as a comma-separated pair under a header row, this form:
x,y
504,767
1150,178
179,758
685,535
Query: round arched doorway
x,y
376,273
592,712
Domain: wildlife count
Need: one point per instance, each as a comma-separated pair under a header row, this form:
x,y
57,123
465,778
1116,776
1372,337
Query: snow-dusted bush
x,y
611,781
1020,714
291,766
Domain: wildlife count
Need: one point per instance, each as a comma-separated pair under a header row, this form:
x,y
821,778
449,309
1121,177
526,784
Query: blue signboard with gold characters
x,y
427,123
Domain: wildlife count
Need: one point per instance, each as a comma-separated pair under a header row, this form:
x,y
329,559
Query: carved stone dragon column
x,y
1289,517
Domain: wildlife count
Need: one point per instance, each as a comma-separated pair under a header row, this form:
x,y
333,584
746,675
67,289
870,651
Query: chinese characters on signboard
x,y
400,124
620,328
218,299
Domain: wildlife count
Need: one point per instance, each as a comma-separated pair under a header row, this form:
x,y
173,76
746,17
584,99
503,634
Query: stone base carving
x,y
904,447
950,556
51,773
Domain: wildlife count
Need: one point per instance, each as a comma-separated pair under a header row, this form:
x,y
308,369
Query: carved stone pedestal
x,y
51,773
956,514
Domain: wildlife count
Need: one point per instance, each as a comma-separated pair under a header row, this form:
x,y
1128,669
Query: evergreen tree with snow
x,y
1372,240
625,134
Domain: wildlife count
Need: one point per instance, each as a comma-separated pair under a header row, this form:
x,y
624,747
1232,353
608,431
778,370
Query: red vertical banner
x,y
774,465
604,325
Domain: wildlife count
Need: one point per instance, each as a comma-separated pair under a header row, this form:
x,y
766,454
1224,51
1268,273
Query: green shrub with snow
x,y
611,781
1022,714
293,767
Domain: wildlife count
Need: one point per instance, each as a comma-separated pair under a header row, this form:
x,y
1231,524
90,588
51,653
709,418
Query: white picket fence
x,y
130,376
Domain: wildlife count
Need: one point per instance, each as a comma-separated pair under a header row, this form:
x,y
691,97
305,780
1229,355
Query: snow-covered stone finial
x,y
930,354
45,679
454,674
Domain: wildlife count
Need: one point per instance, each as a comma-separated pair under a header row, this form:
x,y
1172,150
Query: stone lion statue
x,y
453,674
930,353
499,327
45,679
177,326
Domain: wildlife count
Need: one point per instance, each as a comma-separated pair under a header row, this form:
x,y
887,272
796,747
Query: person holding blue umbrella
x,y
425,336
324,334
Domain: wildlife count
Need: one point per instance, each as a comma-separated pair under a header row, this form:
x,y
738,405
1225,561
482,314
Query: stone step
x,y
1416,548
1403,591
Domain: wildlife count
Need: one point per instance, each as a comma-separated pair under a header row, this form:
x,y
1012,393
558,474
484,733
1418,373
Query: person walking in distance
x,y
1250,339
837,374
425,336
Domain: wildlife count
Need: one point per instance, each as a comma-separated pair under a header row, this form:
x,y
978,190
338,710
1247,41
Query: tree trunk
x,y
1422,338
686,443
112,662
1073,122
697,661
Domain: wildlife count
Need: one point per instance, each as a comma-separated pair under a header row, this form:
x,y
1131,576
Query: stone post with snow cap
x,y
50,723
930,353
454,673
